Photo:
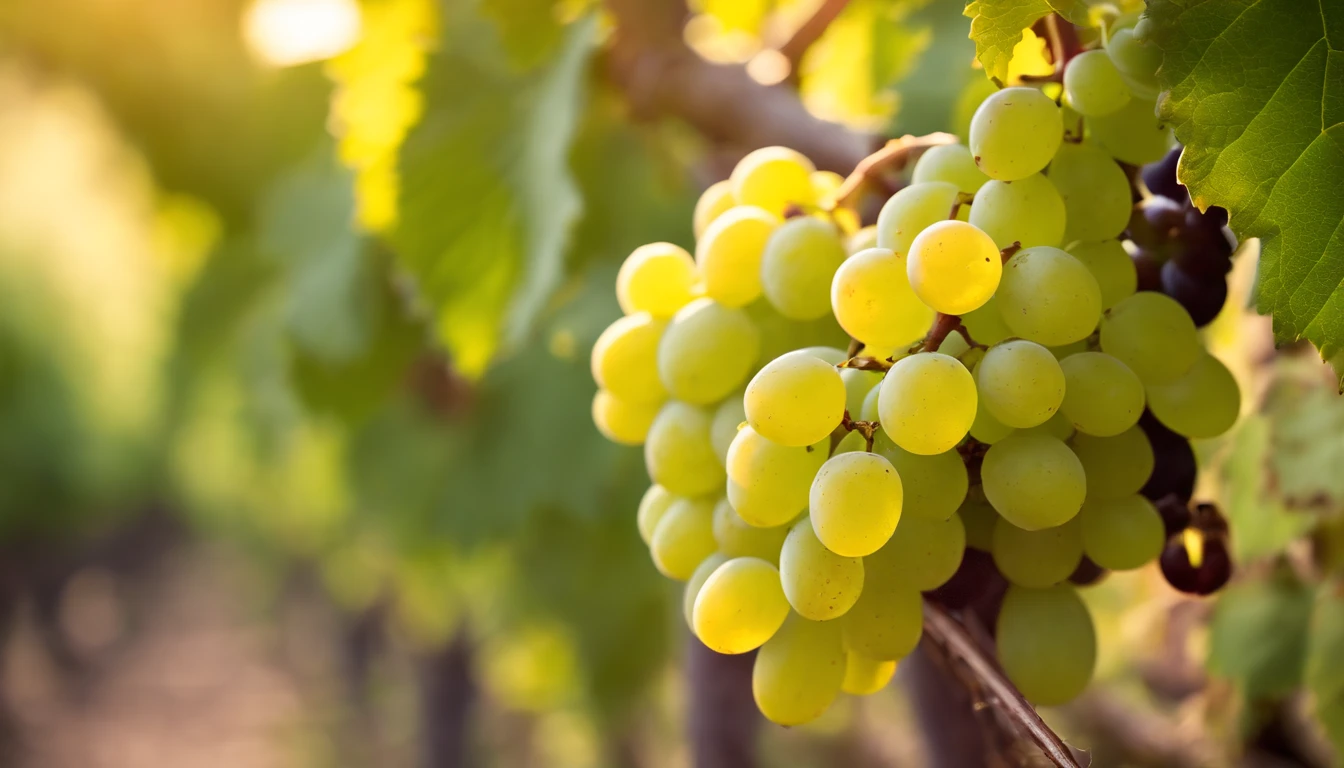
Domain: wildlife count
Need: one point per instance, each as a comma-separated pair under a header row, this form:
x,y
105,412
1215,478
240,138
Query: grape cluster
x,y
1007,406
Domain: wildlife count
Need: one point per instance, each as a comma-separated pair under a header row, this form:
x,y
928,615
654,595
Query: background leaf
x,y
1258,636
996,27
1325,661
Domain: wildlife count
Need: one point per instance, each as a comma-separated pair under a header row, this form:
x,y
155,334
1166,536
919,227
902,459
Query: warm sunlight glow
x,y
290,32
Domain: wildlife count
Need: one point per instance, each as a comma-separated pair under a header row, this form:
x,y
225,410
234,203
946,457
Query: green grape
x,y
1153,335
712,203
852,442
1048,667
707,351
1066,350
1103,397
862,240
678,453
1132,134
1049,297
927,402
869,410
865,676
951,163
1020,383
780,335
657,278
1034,481
1036,558
738,538
1203,403
932,486
1028,211
826,184
953,267
820,584
795,400
1057,426
858,383
621,421
922,554
625,359
985,324
1095,192
740,607
872,299
1136,62
1015,132
799,263
987,429
696,582
828,355
652,506
684,537
855,503
1111,266
729,254
1122,534
774,178
1115,466
769,482
912,210
887,621
730,415
979,519
1093,84
799,671
955,345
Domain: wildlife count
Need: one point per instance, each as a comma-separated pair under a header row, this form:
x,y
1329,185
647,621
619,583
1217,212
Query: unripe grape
x,y
657,278
1103,397
678,453
1203,403
1094,85
769,483
1111,266
730,415
1122,534
953,267
923,553
872,300
1028,211
819,584
951,163
1015,132
691,591
886,622
864,676
795,400
927,403
716,199
911,211
706,351
1132,134
858,383
625,359
652,506
986,323
730,251
1049,297
1039,558
1152,335
1020,383
1115,466
1049,667
931,486
799,262
1135,61
1095,192
740,606
855,503
738,538
684,538
1034,481
621,421
799,671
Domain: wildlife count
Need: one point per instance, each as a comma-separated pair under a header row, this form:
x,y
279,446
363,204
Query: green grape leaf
x,y
1308,444
1324,679
1258,636
1264,138
1261,523
997,25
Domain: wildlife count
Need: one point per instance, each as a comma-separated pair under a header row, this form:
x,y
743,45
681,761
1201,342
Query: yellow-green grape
x,y
932,486
799,671
1020,383
1037,558
780,335
712,203
740,607
951,163
678,453
652,506
1057,426
798,265
923,553
869,410
1028,211
858,383
730,251
1132,134
1049,297
657,278
852,442
1095,191
730,415
706,351
695,583
1153,335
820,584
1103,397
887,621
979,519
1122,534
927,402
1066,350
1034,481
1111,266
855,503
625,359
621,421
774,178
865,676
1203,403
828,355
953,267
1048,667
955,345
1115,466
1015,132
1094,85
796,399
985,324
862,240
827,184
1136,61
987,429
738,538
911,211
769,482
684,537
872,299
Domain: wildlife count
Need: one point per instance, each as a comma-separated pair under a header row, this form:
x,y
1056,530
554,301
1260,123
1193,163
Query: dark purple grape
x,y
1156,222
1217,215
1148,266
1087,573
1160,177
1202,297
1213,572
1174,466
1175,514
976,580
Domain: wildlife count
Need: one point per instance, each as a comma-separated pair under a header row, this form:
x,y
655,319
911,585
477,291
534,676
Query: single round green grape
x,y
1115,466
987,429
1048,667
738,538
869,410
912,210
678,453
1153,335
694,584
927,402
1203,403
730,415
1020,383
799,263
1049,297
1057,426
796,399
872,299
625,359
1111,266
953,267
951,163
858,383
621,421
1132,134
1095,191
799,671
865,676
1094,85
1122,534
979,519
887,621
1136,62
769,482
932,486
716,199
1034,481
986,324
706,351
774,178
740,607
1015,132
1037,558
652,506
862,240
729,254
1028,211
923,553
684,537
657,278
820,584
1102,395
780,335
855,503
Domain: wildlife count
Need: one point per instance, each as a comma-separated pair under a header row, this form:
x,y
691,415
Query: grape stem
x,y
1064,42
1010,251
943,324
963,198
866,428
893,156
865,364
810,32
